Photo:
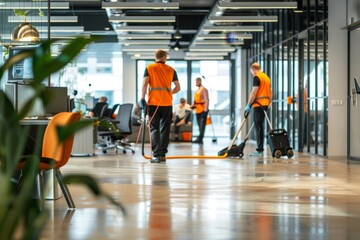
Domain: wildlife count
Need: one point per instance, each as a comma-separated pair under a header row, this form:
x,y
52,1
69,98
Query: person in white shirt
x,y
182,115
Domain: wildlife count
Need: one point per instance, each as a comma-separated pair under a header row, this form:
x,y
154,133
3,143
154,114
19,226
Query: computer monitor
x,y
19,94
58,102
71,105
21,71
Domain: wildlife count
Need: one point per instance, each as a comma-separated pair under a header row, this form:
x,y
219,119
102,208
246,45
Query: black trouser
x,y
201,120
259,117
160,129
177,119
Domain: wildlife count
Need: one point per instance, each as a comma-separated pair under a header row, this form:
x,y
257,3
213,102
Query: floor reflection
x,y
307,197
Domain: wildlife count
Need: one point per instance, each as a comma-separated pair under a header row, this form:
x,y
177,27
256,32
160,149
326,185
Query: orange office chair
x,y
53,150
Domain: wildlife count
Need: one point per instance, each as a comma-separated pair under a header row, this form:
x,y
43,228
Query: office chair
x,y
123,124
112,111
55,154
100,109
104,142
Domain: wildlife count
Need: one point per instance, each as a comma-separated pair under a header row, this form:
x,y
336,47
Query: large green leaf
x,y
20,213
22,204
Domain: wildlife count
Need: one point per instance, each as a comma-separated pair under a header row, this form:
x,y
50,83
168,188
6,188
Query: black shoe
x,y
162,159
155,160
198,141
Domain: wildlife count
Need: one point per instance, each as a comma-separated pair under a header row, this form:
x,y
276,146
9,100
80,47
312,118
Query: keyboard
x,y
42,117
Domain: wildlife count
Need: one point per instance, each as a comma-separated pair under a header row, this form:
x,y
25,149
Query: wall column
x,y
129,79
338,55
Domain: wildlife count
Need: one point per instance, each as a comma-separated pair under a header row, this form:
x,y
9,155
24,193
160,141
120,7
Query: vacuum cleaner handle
x,y
266,115
267,119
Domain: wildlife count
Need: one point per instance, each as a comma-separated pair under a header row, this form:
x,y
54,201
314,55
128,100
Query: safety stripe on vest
x,y
262,97
160,89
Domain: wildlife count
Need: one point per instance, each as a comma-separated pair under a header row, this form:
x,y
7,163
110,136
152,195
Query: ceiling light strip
x,y
144,36
67,29
34,5
145,42
206,53
150,54
150,48
204,58
73,0
140,5
212,48
55,35
33,19
233,28
217,42
144,29
140,19
223,36
257,5
141,57
222,19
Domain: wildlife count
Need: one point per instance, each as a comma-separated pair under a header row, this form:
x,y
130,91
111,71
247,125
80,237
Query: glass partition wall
x,y
294,54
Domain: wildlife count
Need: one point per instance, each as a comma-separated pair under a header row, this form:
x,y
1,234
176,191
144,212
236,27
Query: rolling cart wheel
x,y
241,155
104,151
124,151
133,151
278,153
290,153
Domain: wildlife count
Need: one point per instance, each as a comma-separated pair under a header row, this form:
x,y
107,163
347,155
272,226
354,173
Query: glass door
x,y
354,96
216,78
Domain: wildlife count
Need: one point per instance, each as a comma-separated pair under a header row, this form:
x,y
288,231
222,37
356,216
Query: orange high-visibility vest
x,y
160,79
199,102
264,92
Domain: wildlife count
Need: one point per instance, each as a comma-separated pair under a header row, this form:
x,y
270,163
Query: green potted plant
x,y
20,213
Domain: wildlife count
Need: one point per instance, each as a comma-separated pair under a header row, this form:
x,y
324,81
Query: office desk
x,y
34,122
84,140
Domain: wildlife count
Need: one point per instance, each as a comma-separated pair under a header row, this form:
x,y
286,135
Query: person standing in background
x,y
201,106
260,100
158,78
182,115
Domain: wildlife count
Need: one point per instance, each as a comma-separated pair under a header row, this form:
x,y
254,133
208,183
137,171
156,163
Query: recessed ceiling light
x,y
233,28
257,5
140,5
222,19
140,19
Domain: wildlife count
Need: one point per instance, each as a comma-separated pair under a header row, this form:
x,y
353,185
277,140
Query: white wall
x,y
129,79
337,119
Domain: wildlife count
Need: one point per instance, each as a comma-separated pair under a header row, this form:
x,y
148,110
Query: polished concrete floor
x,y
306,197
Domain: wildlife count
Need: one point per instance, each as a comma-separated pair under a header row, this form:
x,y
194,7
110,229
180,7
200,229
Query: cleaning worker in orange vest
x,y
158,80
201,105
260,96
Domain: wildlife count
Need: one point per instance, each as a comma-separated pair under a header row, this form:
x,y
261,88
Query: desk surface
x,y
34,122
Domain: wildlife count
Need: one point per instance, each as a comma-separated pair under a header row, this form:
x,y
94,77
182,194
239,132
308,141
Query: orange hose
x,y
190,157
179,156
